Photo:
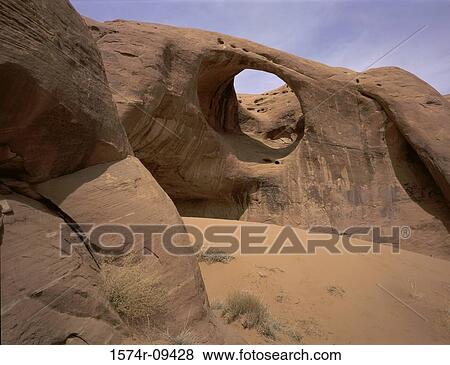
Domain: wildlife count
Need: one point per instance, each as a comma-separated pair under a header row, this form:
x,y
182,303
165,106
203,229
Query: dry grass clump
x,y
216,304
214,257
251,311
185,337
336,291
134,293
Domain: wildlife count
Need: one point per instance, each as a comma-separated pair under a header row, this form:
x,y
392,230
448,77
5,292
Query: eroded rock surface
x,y
124,192
272,117
57,114
59,131
367,149
48,298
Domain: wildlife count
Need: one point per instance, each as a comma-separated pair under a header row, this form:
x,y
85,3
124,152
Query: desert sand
x,y
340,299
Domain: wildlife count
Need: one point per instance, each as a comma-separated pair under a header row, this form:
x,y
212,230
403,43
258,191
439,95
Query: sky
x,y
352,34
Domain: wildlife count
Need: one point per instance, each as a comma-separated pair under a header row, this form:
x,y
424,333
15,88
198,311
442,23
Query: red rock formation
x,y
46,298
369,148
59,128
56,110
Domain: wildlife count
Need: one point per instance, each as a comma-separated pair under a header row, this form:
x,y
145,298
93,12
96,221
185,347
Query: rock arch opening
x,y
271,120
271,116
256,82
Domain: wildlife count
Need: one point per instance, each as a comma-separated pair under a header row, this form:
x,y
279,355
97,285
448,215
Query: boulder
x,y
57,114
48,298
59,138
125,193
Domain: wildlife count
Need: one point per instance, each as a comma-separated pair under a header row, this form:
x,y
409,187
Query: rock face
x,y
63,157
331,147
125,193
271,118
57,115
46,298
367,148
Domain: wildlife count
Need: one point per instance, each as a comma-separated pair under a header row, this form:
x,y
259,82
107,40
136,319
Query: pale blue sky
x,y
339,33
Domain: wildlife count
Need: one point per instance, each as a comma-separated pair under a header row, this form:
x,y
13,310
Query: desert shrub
x,y
243,304
134,293
214,257
293,334
251,311
268,329
185,337
216,304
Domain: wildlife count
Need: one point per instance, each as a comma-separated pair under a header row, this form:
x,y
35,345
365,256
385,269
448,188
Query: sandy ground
x,y
340,299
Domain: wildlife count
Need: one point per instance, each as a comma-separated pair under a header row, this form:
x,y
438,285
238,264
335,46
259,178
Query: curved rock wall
x,y
57,115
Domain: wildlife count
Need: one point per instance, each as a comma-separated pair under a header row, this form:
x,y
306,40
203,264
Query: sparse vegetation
x,y
251,311
216,304
415,293
294,335
185,337
211,257
336,291
134,293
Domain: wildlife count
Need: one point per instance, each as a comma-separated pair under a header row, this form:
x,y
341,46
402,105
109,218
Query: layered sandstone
x,y
57,113
365,149
65,158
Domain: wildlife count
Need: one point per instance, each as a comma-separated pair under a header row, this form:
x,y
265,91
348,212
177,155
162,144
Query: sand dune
x,y
344,299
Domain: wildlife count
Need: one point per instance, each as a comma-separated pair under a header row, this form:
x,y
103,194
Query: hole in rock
x,y
256,82
268,111
255,111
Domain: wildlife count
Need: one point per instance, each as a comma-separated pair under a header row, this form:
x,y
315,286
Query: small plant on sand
x,y
336,291
415,293
211,257
251,311
216,304
134,293
293,334
185,337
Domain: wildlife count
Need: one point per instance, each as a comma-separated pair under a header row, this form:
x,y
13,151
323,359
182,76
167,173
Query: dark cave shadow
x,y
415,178
207,208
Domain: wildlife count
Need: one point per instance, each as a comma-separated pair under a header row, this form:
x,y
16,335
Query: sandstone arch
x,y
340,173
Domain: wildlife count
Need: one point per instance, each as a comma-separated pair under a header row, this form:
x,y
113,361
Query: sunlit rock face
x,y
348,148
